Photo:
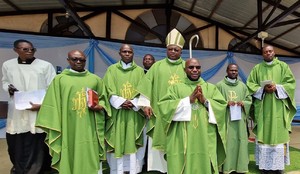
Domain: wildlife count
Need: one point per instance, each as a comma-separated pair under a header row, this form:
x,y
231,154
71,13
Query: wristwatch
x,y
206,103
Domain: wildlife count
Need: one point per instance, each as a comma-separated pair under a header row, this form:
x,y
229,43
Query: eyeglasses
x,y
76,59
27,49
125,51
192,67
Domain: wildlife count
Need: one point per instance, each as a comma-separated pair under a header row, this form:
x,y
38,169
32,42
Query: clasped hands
x,y
127,105
197,94
270,88
232,103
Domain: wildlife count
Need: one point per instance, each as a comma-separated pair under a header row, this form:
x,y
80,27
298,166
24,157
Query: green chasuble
x,y
272,116
75,134
196,146
154,85
237,158
124,129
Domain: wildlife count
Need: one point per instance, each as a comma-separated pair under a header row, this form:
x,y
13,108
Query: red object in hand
x,y
92,98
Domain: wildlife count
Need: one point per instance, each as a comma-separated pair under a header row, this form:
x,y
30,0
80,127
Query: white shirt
x,y
25,77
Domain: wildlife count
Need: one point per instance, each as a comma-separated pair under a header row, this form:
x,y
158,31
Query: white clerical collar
x,y
171,60
269,63
74,71
231,80
125,66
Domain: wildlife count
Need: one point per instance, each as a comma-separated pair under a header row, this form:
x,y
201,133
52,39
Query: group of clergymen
x,y
187,124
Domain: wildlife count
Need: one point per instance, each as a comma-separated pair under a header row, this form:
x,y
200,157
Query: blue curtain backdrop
x,y
213,62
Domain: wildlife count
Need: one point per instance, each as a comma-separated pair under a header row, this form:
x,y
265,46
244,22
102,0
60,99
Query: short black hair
x,y
17,42
149,55
231,65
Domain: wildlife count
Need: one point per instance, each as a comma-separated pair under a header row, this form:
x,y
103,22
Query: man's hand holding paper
x,y
29,100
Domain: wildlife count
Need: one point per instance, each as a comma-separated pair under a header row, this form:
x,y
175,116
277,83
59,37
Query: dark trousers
x,y
28,153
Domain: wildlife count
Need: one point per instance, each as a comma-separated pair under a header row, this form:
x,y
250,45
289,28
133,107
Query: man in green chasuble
x,y
272,85
193,118
239,101
153,87
75,131
124,129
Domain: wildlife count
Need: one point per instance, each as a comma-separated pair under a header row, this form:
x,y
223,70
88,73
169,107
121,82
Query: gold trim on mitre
x,y
175,38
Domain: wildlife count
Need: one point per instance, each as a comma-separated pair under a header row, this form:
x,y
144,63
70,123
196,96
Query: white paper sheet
x,y
23,99
235,113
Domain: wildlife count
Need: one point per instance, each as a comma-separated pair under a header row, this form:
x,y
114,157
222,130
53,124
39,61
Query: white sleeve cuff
x,y
143,101
281,92
183,111
116,101
259,93
211,114
135,102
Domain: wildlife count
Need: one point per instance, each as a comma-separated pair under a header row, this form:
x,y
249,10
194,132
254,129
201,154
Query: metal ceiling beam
x,y
281,7
284,33
76,17
259,14
271,12
294,7
287,12
108,25
78,4
193,5
279,24
254,17
50,22
217,38
232,33
73,22
217,5
138,24
168,9
198,29
83,9
296,47
12,5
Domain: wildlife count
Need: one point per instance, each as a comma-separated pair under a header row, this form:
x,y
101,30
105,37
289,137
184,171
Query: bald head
x,y
188,61
193,69
126,53
75,52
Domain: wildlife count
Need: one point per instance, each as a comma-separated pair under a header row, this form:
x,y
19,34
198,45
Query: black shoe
x,y
13,170
263,171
